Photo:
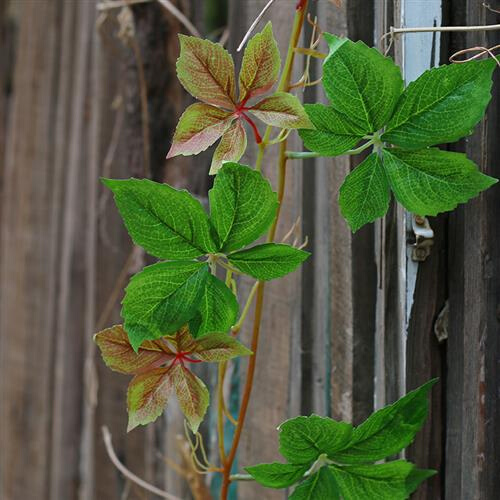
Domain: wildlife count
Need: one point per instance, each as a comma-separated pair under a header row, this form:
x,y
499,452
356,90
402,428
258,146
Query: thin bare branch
x,y
180,16
254,24
106,436
107,5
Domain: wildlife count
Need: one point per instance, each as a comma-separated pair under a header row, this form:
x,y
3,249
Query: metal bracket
x,y
424,238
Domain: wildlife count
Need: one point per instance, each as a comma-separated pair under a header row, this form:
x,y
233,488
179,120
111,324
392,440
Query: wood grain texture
x,y
280,329
472,463
426,359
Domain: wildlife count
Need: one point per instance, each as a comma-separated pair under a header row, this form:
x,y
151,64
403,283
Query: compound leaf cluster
x,y
327,459
171,224
368,102
207,72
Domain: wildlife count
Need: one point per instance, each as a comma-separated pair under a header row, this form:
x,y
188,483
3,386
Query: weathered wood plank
x,y
472,463
282,313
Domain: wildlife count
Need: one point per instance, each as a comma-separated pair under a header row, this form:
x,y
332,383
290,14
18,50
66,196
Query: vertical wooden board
x,y
345,274
472,465
155,38
26,321
425,357
269,405
331,174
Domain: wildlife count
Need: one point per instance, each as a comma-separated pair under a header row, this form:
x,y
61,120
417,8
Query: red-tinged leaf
x,y
260,66
282,110
192,395
231,147
118,354
206,70
148,394
198,128
216,347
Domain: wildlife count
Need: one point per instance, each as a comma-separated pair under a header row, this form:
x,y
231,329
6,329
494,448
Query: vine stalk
x,y
284,85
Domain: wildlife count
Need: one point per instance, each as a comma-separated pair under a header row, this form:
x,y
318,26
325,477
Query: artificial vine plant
x,y
177,312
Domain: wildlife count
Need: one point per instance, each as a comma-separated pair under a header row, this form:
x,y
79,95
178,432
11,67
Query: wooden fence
x,y
86,93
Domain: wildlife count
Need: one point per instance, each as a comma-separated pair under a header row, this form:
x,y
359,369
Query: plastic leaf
x,y
148,394
199,127
282,110
442,105
334,134
218,347
242,206
231,147
430,181
162,298
192,395
389,430
303,439
320,486
365,194
160,369
118,354
206,70
167,223
260,66
268,261
217,311
390,481
277,475
361,83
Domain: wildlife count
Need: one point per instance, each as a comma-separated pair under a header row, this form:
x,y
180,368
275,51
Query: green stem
x,y
236,328
300,155
284,85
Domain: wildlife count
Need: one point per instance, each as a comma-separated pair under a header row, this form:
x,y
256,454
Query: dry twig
x,y
106,436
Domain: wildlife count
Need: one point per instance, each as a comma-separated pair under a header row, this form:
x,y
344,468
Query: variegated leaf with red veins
x,y
200,126
192,395
118,354
231,147
218,347
282,110
161,369
148,394
260,66
206,70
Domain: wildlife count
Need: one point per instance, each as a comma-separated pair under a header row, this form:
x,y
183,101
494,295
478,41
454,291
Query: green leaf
x,y
217,311
162,298
231,147
118,354
430,181
199,127
206,70
167,223
277,475
268,261
261,64
389,481
243,206
304,439
361,83
282,110
148,394
442,105
320,486
365,194
192,395
334,134
389,430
